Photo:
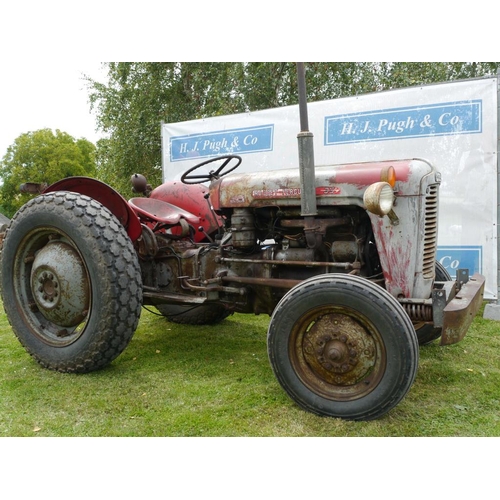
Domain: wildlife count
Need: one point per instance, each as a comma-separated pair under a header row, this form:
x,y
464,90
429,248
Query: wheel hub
x,y
59,284
339,350
338,356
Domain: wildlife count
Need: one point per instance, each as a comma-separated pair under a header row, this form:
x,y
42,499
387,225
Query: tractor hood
x,y
335,184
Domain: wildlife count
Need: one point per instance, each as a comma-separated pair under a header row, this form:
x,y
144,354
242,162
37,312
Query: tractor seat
x,y
161,211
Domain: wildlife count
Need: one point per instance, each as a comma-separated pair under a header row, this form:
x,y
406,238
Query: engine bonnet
x,y
335,184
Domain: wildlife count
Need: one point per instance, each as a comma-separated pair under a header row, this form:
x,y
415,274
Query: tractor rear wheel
x,y
71,282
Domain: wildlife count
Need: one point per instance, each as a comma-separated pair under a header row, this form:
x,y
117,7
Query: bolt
x,y
309,349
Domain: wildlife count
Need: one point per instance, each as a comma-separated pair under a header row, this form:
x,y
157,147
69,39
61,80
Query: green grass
x,y
177,380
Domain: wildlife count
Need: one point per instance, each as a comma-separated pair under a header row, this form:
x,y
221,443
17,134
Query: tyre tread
x,y
392,308
120,298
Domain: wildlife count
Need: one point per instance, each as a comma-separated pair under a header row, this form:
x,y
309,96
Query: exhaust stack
x,y
306,163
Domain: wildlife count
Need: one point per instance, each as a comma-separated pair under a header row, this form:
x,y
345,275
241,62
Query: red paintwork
x,y
396,258
161,211
191,198
364,174
105,195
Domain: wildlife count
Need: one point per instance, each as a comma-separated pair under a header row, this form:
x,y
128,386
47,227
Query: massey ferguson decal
x,y
266,194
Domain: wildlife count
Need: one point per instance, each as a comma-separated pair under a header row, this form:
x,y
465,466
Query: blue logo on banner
x,y
467,257
236,141
461,117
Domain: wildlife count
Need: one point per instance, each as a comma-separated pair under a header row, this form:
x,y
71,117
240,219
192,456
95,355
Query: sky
x,y
47,94
47,46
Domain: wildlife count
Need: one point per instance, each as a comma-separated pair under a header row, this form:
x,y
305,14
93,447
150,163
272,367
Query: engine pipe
x,y
306,166
306,151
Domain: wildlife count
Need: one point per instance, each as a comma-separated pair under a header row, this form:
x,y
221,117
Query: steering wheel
x,y
224,169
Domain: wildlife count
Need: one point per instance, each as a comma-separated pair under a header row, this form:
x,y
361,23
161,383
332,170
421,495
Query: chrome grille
x,y
430,230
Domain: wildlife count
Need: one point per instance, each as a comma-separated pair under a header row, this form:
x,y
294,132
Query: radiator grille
x,y
430,231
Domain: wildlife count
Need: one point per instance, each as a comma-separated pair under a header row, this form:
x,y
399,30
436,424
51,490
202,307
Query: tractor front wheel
x,y
341,346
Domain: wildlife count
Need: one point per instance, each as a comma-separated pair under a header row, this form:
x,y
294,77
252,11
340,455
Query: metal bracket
x,y
438,305
462,277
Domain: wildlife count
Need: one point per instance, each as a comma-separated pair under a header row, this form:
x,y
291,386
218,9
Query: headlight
x,y
379,198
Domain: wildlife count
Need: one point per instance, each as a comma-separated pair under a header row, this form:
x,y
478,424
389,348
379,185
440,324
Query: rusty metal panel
x,y
460,312
335,184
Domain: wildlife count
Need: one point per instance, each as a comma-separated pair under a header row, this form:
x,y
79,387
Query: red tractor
x,y
341,257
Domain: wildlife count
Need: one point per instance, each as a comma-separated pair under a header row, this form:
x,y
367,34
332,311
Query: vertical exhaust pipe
x,y
306,150
306,164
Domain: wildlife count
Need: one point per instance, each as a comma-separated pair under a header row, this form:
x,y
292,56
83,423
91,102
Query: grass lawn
x,y
178,381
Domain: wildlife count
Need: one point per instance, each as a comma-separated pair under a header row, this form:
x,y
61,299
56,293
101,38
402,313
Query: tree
x,y
42,156
139,96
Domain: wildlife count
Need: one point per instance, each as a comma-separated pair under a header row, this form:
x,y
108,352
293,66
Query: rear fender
x,y
106,196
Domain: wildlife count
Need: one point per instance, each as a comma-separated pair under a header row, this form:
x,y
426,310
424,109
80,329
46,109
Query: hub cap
x,y
338,355
59,284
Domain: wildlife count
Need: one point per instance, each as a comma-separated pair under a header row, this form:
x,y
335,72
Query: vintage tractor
x,y
342,257
351,290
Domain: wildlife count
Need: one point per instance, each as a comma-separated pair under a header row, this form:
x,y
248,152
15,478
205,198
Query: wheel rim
x,y
52,284
337,353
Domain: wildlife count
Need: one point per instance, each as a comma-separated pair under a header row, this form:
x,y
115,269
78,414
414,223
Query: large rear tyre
x,y
205,314
341,346
71,282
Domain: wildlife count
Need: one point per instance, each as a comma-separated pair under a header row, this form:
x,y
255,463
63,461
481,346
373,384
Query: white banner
x,y
453,125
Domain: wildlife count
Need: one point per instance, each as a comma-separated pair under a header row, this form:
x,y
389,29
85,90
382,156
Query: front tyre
x,y
341,346
71,282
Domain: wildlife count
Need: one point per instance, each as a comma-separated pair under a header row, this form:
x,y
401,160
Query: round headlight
x,y
379,198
